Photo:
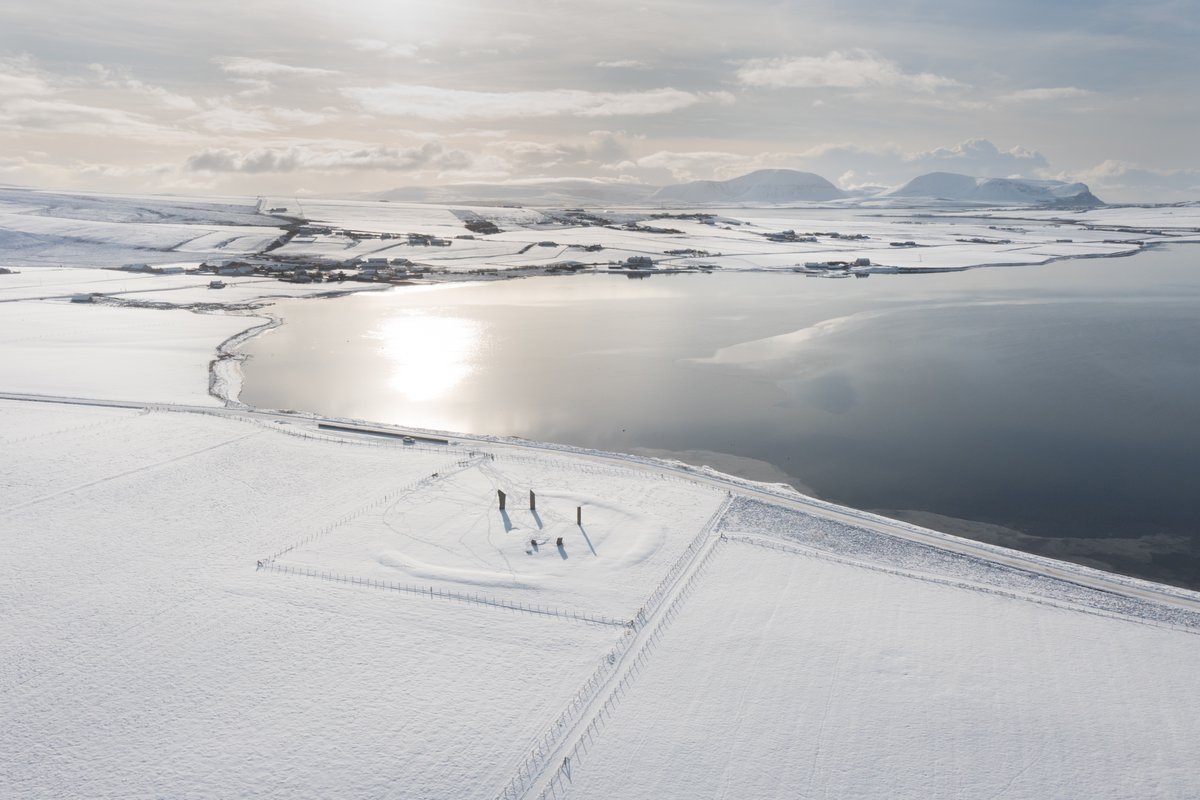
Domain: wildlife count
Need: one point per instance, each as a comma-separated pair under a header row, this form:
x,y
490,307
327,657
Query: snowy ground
x,y
632,531
215,602
46,228
234,604
150,337
154,659
786,675
736,241
113,353
49,228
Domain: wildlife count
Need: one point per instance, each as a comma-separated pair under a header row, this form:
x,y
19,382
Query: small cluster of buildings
x,y
789,236
836,268
160,269
413,239
632,225
383,269
644,266
850,237
426,240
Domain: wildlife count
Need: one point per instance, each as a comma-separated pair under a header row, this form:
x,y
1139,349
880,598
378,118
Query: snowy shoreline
x,y
225,370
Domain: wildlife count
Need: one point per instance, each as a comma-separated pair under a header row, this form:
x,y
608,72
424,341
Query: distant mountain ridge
x,y
769,186
765,187
951,186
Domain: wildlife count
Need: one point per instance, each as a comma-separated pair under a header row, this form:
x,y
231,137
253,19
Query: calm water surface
x,y
1051,408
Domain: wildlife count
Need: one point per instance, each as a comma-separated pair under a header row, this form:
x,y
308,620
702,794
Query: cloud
x,y
18,78
257,67
76,173
666,165
253,87
1052,93
221,117
403,50
298,116
23,115
34,101
981,157
430,156
14,164
857,69
124,170
626,64
601,149
256,161
891,165
224,118
123,80
448,105
851,165
1123,181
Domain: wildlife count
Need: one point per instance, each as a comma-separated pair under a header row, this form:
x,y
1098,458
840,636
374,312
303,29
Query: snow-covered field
x,y
50,228
736,240
154,660
46,228
632,530
149,338
112,352
201,601
231,604
786,675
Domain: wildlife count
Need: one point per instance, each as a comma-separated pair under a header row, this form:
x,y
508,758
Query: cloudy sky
x,y
263,96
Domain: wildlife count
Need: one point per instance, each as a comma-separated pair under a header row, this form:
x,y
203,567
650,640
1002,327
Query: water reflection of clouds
x,y
766,352
428,355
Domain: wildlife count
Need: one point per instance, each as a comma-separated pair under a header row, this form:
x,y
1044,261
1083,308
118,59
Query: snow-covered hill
x,y
764,186
953,187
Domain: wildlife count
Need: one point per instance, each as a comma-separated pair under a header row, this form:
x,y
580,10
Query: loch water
x,y
1051,408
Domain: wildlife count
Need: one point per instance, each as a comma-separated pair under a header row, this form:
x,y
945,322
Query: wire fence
x,y
445,472
613,471
603,712
533,765
1120,608
655,598
437,593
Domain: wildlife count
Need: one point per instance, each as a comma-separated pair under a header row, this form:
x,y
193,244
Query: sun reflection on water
x,y
429,355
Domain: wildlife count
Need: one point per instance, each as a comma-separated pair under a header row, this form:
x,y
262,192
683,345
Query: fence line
x,y
532,765
604,712
547,460
655,598
458,466
434,592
